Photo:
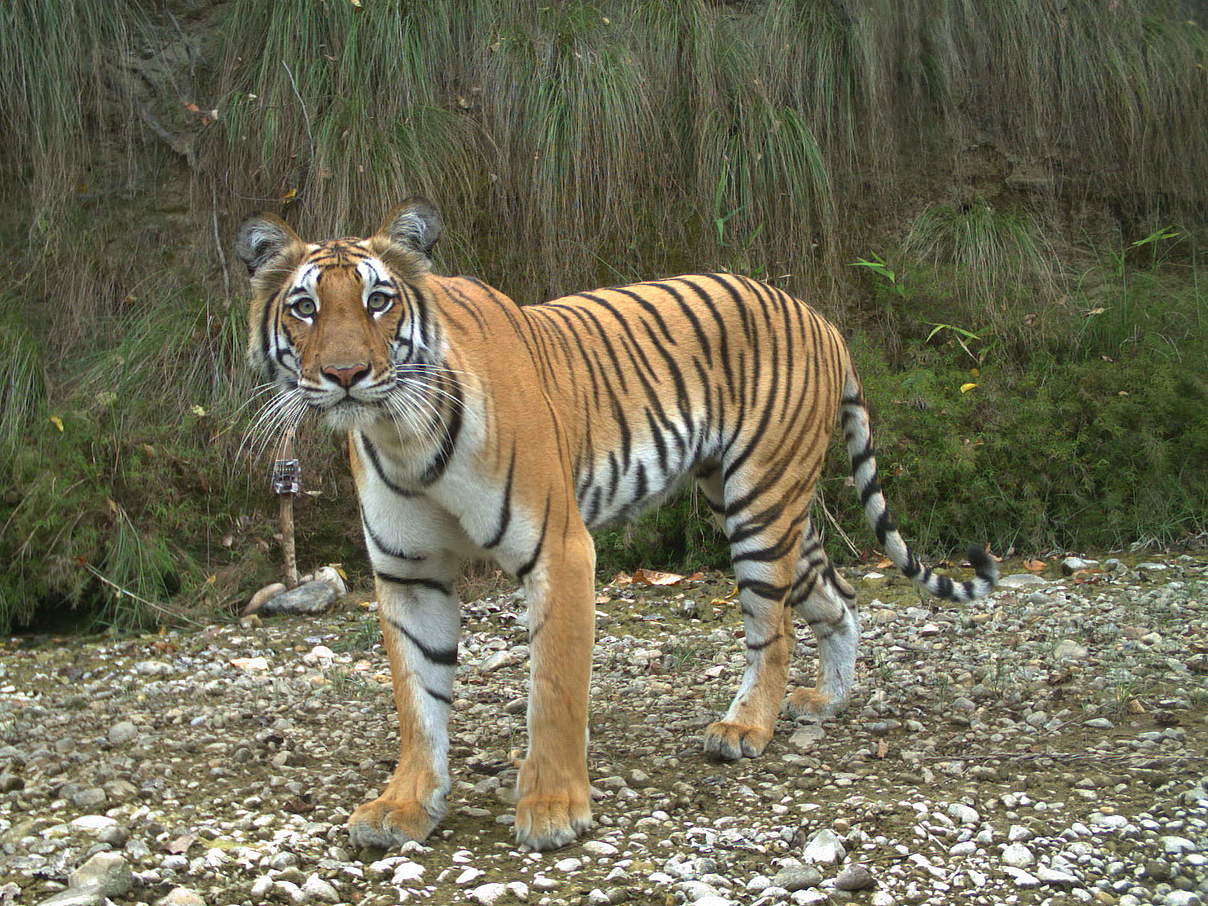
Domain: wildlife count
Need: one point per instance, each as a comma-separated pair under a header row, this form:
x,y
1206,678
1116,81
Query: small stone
x,y
1022,878
519,890
824,848
106,873
93,824
311,598
1056,878
568,864
74,897
1182,898
1017,855
90,797
1069,650
1175,845
1157,870
811,897
714,899
1022,580
1071,565
488,894
1019,834
181,896
316,888
1098,723
597,848
855,877
807,737
963,813
319,656
882,898
407,872
122,733
468,876
792,879
495,661
263,595
153,668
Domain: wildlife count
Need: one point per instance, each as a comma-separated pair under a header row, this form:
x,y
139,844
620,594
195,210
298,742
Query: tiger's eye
x,y
377,302
305,308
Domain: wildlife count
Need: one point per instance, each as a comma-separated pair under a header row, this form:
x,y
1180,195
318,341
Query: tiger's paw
x,y
731,741
389,823
807,702
550,821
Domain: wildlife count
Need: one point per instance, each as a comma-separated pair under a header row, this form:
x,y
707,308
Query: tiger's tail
x,y
856,432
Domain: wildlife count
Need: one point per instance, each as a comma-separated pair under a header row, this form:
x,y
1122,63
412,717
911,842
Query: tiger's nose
x,y
347,375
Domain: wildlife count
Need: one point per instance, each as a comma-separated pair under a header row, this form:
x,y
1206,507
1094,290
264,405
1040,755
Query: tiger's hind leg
x,y
764,554
828,605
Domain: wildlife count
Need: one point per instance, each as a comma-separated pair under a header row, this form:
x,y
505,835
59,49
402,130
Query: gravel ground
x,y
1045,745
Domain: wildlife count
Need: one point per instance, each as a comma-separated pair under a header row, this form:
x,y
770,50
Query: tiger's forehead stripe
x,y
372,272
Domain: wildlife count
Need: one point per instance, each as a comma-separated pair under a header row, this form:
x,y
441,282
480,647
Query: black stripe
x,y
528,567
449,442
372,455
759,646
862,457
415,581
439,696
384,548
446,657
505,512
763,589
873,487
884,526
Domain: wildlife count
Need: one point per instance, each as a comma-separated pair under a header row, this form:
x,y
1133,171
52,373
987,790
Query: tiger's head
x,y
341,327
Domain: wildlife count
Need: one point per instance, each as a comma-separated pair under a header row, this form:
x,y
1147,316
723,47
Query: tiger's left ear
x,y
410,231
269,248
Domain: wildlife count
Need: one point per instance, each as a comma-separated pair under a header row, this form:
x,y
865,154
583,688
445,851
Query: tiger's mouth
x,y
350,413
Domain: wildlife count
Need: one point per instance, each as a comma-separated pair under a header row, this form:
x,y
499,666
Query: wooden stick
x,y
286,491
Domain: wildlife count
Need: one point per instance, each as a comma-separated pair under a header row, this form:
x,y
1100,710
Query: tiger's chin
x,y
350,415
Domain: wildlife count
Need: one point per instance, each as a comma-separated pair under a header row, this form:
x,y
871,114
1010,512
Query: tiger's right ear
x,y
269,248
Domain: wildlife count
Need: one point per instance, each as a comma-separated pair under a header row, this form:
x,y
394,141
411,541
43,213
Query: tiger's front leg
x,y
554,804
420,627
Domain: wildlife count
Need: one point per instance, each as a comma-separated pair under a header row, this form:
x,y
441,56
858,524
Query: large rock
x,y
311,598
105,874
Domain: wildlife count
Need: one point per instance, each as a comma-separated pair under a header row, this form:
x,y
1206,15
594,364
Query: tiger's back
x,y
668,378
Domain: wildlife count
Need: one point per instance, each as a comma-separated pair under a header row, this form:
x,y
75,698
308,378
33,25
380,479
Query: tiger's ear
x,y
410,231
269,248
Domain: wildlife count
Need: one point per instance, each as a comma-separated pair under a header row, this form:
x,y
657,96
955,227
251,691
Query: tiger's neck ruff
x,y
477,427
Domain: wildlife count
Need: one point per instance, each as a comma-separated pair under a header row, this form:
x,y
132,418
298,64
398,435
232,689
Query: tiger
x,y
480,428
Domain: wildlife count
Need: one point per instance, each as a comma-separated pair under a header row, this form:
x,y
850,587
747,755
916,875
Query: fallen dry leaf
x,y
654,577
250,663
1034,565
181,844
